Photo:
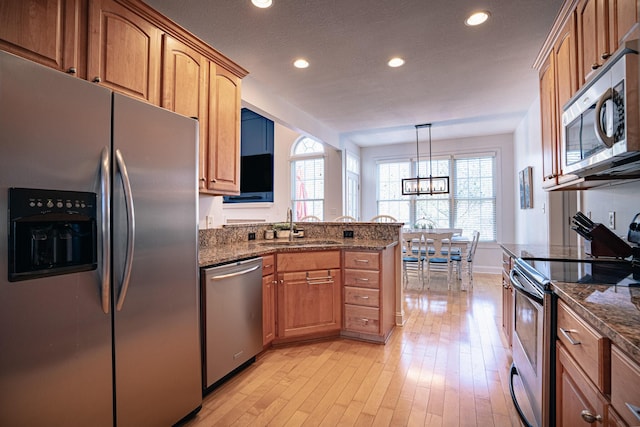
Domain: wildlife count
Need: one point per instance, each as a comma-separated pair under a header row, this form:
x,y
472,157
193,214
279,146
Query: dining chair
x,y
344,218
438,255
470,255
383,218
310,218
412,257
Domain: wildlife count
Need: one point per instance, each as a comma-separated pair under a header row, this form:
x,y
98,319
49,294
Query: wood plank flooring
x,y
447,366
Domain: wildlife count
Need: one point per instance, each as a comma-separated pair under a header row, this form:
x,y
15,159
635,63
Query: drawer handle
x,y
365,261
363,297
566,333
365,321
316,281
589,417
361,279
635,410
267,266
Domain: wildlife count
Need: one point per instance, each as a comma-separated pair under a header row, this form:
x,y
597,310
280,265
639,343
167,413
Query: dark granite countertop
x,y
219,254
543,252
612,310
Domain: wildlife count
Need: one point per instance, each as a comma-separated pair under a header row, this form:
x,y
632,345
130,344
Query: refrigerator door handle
x,y
105,202
131,229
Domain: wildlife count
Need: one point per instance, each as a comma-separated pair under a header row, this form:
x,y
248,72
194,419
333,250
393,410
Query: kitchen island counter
x,y
235,251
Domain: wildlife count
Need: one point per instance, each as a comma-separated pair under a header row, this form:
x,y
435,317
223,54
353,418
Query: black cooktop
x,y
609,272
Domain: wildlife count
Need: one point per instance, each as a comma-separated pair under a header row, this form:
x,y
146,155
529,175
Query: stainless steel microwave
x,y
601,123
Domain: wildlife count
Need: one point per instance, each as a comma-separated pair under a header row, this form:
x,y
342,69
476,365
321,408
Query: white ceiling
x,y
466,81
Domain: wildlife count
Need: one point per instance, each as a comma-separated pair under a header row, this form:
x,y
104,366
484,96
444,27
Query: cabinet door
x,y
124,51
593,39
223,157
623,22
49,32
185,89
268,309
549,123
578,401
309,303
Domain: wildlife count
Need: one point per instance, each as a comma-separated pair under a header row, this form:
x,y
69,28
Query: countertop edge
x,y
239,251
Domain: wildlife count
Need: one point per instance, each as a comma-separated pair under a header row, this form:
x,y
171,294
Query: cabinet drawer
x,y
362,319
362,296
585,345
362,260
625,386
362,278
268,264
303,261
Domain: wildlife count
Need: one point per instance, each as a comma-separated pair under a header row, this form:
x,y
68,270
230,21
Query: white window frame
x,y
297,157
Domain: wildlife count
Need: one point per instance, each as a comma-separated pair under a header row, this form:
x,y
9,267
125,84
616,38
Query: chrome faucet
x,y
290,221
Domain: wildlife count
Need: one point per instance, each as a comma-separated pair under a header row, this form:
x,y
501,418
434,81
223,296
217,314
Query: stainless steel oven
x,y
533,344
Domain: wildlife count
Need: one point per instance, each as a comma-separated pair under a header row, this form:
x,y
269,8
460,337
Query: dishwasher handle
x,y
235,273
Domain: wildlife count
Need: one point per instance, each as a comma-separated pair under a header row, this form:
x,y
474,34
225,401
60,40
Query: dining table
x,y
459,246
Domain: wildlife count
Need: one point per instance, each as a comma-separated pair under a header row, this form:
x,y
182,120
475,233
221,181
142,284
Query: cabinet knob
x,y
213,180
589,417
605,56
595,66
97,79
72,70
203,179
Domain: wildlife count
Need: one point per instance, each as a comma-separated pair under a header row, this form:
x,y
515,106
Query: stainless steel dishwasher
x,y
231,317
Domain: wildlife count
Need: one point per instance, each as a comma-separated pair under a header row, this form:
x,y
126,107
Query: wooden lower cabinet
x,y
268,300
308,295
369,294
578,401
625,387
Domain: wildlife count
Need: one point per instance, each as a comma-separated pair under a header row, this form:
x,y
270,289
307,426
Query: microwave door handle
x,y
601,133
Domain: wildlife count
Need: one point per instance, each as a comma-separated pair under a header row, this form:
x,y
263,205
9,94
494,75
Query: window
x,y
307,178
471,204
353,186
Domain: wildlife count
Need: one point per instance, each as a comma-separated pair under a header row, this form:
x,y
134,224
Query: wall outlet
x,y
252,236
209,220
347,234
612,220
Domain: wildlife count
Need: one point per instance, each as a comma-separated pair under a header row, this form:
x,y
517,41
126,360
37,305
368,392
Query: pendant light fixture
x,y
433,184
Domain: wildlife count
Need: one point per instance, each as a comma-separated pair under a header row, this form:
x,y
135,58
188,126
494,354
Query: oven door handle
x,y
516,284
513,372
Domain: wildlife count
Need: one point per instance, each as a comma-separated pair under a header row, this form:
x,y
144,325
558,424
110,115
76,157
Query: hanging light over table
x,y
432,184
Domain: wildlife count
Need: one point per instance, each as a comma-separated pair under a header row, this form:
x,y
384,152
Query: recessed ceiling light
x,y
301,63
395,62
263,4
477,18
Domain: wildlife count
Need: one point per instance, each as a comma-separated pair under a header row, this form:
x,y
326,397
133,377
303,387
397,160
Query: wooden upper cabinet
x,y
593,40
548,116
223,145
185,87
124,51
45,31
623,21
603,25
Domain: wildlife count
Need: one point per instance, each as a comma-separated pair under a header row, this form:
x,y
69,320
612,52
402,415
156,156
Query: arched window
x,y
307,178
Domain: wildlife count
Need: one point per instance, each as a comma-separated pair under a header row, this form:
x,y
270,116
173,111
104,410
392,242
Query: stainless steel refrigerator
x,y
98,255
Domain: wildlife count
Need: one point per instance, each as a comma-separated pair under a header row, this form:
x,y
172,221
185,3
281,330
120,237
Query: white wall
x,y
623,199
488,255
221,213
546,222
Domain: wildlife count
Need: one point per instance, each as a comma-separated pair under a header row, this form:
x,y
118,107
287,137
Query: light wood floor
x,y
447,366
